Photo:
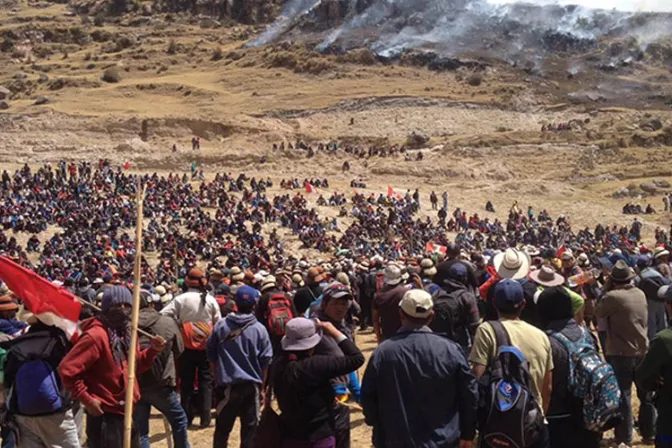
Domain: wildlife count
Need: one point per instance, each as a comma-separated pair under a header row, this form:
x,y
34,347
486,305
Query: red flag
x,y
127,165
390,191
433,248
52,304
310,188
561,251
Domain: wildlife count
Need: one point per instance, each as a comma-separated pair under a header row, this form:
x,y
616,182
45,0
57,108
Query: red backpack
x,y
279,313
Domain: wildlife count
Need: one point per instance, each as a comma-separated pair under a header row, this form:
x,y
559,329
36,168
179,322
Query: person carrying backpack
x,y
157,385
241,350
525,351
574,348
197,312
43,409
455,307
274,310
650,280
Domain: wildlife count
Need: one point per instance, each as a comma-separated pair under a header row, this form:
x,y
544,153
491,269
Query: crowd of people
x,y
503,313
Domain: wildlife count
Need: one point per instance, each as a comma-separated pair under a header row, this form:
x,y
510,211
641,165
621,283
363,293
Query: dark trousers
x,y
190,362
624,368
237,400
107,431
566,432
365,314
342,418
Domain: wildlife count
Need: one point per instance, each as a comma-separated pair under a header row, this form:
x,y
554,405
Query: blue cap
x,y
457,270
246,295
643,261
509,296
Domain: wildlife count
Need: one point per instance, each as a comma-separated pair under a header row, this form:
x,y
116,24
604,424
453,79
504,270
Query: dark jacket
x,y
655,374
456,312
46,342
418,391
386,302
162,372
304,393
563,402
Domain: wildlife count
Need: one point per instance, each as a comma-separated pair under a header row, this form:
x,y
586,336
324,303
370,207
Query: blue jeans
x,y
7,438
166,401
624,368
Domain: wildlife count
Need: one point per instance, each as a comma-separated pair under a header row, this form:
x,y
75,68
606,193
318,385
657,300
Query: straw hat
x,y
237,274
268,283
512,263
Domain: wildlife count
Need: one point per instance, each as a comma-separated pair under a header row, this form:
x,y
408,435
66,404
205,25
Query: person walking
x,y
196,311
301,382
157,385
625,309
42,408
654,375
425,375
95,370
386,321
509,300
240,348
565,418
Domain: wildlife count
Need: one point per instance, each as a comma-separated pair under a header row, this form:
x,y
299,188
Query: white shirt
x,y
187,307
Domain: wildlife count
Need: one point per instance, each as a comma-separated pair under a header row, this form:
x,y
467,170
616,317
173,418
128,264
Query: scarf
x,y
116,322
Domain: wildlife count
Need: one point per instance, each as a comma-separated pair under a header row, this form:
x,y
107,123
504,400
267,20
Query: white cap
x,y
417,303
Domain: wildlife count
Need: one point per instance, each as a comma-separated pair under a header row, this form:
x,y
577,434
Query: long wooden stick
x,y
132,352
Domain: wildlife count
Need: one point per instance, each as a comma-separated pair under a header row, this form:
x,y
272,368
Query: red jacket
x,y
89,372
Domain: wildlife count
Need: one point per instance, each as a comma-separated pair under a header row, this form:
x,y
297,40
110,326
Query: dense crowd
x,y
490,333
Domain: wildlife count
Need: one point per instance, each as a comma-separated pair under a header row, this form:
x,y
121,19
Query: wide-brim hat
x,y
268,283
512,263
301,334
621,272
660,252
237,274
546,276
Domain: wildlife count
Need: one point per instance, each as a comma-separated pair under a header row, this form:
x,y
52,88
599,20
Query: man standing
x,y
509,300
157,386
241,350
196,312
444,196
654,374
386,321
426,376
625,309
96,369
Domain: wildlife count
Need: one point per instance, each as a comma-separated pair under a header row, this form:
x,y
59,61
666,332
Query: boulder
x,y
4,105
415,140
651,125
210,23
43,78
42,100
661,183
621,193
4,93
649,187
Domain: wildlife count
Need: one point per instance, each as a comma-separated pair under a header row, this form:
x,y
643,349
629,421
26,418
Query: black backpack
x,y
509,415
449,315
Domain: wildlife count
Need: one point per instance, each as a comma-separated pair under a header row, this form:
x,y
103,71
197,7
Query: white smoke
x,y
618,5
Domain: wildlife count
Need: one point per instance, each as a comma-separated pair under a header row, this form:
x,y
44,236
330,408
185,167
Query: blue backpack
x,y
592,382
509,414
36,388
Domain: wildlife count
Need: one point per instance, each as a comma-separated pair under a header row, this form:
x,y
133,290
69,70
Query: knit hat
x,y
116,295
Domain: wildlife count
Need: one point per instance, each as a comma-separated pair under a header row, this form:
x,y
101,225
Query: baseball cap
x,y
508,295
246,295
417,303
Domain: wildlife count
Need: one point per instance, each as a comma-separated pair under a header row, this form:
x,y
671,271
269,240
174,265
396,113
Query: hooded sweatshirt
x,y
89,372
244,358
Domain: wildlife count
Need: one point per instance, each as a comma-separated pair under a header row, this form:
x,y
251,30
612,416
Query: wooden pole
x,y
130,383
89,304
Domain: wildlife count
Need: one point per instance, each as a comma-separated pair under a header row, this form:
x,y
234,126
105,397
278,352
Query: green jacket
x,y
657,364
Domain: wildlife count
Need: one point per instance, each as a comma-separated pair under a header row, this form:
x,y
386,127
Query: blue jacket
x,y
243,358
418,392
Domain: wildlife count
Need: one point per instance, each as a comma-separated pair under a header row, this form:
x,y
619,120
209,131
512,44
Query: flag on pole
x,y
390,191
52,304
435,248
310,188
127,165
561,251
